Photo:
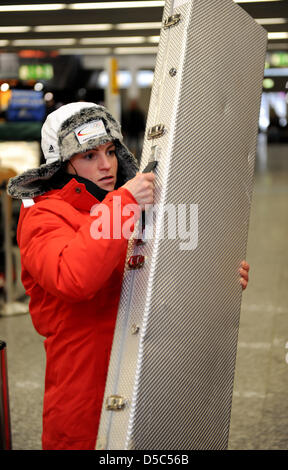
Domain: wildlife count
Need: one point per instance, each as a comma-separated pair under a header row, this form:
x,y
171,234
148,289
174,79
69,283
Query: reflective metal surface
x,y
187,297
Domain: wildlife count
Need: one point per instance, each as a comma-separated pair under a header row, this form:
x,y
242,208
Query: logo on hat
x,y
51,149
91,130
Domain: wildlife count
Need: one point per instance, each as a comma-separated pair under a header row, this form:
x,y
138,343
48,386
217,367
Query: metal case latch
x,y
136,261
115,403
156,131
172,20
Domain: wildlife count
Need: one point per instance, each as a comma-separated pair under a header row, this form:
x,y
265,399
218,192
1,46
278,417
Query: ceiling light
x,y
42,6
5,87
124,79
3,42
14,29
278,35
145,78
109,5
44,42
255,1
114,40
73,27
135,50
268,83
127,26
48,96
38,86
270,20
154,39
85,51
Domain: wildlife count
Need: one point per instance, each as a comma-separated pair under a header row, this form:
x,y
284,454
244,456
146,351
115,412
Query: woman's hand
x,y
142,188
244,270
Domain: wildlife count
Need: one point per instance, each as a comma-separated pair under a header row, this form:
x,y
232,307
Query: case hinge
x,y
156,131
115,403
172,21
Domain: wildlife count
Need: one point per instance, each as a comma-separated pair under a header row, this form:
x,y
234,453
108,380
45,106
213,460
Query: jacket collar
x,y
61,178
75,193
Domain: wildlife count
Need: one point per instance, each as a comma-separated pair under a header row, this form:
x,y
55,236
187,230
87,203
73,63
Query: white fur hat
x,y
71,129
53,123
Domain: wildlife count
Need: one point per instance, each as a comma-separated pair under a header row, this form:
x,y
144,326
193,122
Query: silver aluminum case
x,y
176,374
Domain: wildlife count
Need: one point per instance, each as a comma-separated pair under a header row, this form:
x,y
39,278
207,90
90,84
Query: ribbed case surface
x,y
176,374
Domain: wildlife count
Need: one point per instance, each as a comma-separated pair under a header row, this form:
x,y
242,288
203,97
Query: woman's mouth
x,y
106,178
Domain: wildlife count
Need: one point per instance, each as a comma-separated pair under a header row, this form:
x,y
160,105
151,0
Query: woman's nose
x,y
104,162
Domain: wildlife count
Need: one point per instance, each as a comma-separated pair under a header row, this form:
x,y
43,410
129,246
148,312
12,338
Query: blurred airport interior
x,y
53,54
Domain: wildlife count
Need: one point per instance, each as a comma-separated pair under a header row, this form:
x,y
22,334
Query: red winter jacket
x,y
74,283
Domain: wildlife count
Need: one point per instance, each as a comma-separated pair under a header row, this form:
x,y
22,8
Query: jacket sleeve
x,y
68,261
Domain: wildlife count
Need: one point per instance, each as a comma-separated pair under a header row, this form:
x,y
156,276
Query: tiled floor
x,y
26,369
259,418
260,404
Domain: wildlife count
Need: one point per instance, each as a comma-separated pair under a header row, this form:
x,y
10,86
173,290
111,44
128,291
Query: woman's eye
x,y
111,151
88,156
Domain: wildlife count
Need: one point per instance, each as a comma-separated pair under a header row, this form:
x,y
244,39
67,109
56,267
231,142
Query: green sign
x,y
36,72
279,59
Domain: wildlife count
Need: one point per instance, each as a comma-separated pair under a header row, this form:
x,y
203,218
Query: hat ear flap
x,y
33,182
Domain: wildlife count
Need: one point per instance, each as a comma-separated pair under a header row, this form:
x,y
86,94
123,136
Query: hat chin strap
x,y
70,163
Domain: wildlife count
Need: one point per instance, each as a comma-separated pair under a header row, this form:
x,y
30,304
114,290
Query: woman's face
x,y
98,165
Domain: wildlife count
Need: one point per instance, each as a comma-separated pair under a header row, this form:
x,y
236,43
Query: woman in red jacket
x,y
73,280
